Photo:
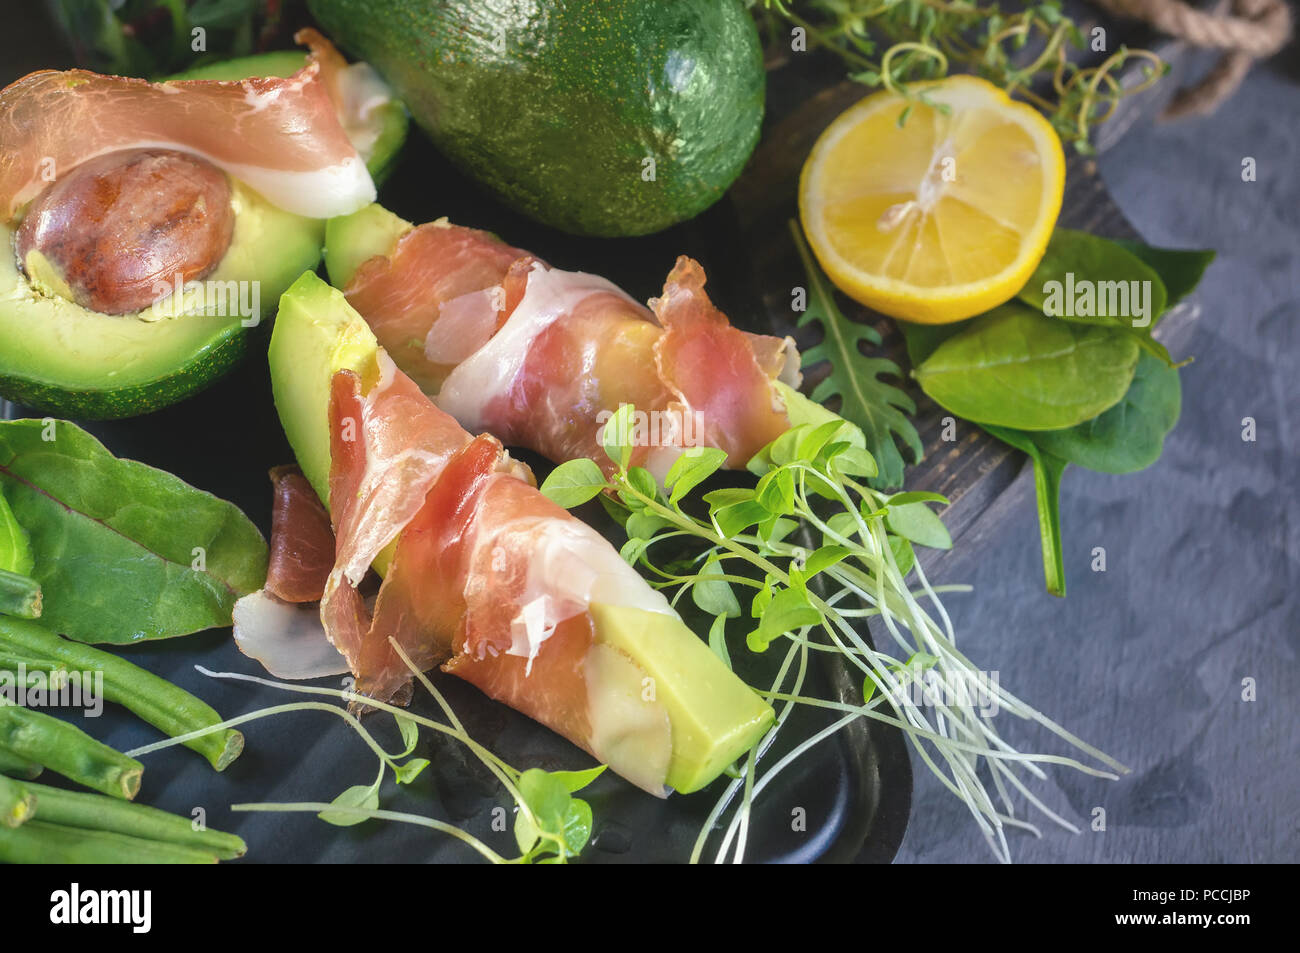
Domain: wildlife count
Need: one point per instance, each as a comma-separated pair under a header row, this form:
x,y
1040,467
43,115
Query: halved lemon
x,y
940,217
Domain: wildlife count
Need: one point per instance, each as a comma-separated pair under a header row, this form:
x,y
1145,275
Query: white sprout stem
x,y
375,814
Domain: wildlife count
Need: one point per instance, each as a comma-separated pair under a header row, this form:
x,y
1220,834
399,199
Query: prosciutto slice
x,y
433,294
302,542
487,575
541,357
282,137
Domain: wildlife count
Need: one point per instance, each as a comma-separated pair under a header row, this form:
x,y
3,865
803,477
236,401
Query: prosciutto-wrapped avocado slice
x,y
483,573
541,357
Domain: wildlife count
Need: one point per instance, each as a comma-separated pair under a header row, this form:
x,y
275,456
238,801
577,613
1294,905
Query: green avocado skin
x,y
194,374
558,107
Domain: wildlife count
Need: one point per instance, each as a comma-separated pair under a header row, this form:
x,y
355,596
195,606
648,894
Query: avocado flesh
x,y
56,355
715,717
801,409
392,118
356,238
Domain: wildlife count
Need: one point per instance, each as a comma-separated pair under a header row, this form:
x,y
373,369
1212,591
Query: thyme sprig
x,y
898,45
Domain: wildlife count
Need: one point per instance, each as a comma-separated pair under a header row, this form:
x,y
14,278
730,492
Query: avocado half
x,y
59,357
715,717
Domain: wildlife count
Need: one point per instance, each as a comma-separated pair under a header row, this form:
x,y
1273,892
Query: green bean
x,y
37,842
54,673
96,812
67,750
16,767
167,707
16,803
19,595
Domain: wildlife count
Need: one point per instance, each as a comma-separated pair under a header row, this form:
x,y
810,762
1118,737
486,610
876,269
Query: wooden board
x,y
973,470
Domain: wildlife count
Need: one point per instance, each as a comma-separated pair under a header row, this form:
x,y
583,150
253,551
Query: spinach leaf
x,y
1012,367
1090,274
15,550
1180,269
1089,266
123,552
1048,470
922,339
1129,436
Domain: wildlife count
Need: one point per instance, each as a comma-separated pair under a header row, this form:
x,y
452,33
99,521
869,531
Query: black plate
x,y
854,790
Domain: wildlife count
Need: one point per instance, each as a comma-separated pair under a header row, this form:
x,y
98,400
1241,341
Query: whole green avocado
x,y
598,117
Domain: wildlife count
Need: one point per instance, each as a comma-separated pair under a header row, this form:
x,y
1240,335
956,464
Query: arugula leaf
x,y
879,409
123,552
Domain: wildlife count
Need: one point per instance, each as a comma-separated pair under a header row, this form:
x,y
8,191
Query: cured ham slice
x,y
715,370
302,541
487,574
432,298
541,357
282,137
480,571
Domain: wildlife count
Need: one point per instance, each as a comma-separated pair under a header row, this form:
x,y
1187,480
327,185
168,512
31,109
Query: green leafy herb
x,y
551,826
123,552
1014,368
574,482
1087,279
1125,437
899,44
364,796
754,539
878,409
1129,436
1048,470
152,37
557,824
15,549
919,524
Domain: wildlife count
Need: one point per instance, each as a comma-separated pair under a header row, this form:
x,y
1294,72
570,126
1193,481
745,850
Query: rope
x,y
1246,30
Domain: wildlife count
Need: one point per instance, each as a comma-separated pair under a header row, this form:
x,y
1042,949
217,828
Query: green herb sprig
x,y
551,825
898,44
813,597
879,409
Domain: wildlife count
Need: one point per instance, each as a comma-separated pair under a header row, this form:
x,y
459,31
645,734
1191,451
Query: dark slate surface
x,y
1203,549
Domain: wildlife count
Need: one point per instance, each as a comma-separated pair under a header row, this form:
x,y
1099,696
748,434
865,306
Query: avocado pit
x,y
121,230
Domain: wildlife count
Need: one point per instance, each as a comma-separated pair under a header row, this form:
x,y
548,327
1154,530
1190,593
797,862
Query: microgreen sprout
x,y
756,541
551,825
899,45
